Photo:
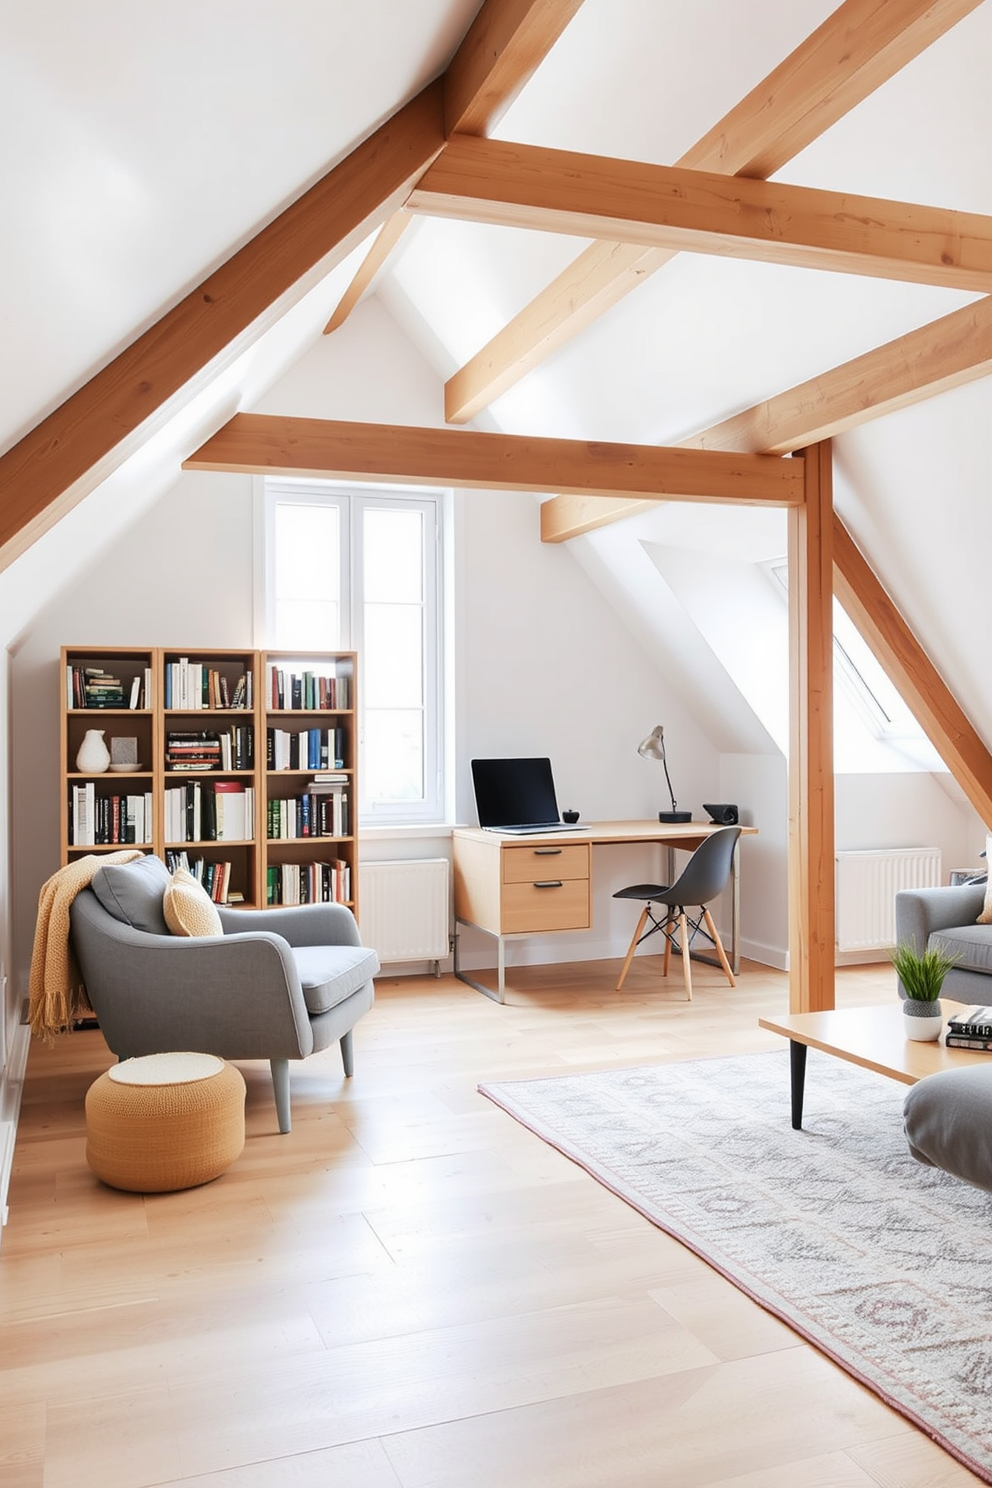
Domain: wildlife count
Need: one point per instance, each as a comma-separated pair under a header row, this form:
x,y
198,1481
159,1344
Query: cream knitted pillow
x,y
985,918
188,908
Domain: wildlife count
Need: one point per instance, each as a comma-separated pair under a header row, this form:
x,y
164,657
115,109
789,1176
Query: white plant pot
x,y
93,756
923,1021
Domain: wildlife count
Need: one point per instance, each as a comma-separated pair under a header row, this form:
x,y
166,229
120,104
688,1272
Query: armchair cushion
x,y
133,892
330,974
188,908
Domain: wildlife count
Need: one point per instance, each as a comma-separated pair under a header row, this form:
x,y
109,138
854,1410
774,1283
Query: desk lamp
x,y
653,747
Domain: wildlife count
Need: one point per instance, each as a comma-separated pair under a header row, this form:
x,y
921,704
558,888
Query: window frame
x,y
352,501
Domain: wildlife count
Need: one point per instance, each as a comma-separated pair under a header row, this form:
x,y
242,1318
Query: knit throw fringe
x,y
56,994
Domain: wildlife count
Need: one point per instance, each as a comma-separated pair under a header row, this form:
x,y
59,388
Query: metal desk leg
x,y
735,909
500,993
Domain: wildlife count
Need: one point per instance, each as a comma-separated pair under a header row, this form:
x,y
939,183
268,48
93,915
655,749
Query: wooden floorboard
x,y
410,1289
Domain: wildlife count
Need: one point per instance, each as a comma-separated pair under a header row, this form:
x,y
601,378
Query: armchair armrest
x,y
300,924
919,912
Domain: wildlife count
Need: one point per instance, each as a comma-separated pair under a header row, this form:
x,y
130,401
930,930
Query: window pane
x,y
394,754
394,556
393,656
308,549
308,624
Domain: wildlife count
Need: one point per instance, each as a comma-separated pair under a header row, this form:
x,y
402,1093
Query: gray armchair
x,y
946,918
279,984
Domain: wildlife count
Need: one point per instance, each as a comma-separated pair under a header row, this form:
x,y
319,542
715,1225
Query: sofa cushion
x,y
970,944
188,908
329,974
132,892
946,1117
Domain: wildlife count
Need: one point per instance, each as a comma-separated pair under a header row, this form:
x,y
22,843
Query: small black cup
x,y
570,816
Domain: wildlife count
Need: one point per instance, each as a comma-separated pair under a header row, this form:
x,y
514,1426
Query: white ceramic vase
x,y
93,756
923,1021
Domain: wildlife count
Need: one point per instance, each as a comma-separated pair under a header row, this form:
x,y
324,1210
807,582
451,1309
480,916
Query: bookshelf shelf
x,y
187,712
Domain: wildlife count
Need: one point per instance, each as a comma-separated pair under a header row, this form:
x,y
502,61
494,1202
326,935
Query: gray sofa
x,y
946,918
279,984
948,1116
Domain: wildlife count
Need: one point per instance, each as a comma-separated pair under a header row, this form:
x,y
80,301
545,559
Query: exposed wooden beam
x,y
528,186
944,354
385,241
501,462
906,663
811,741
88,436
858,48
502,48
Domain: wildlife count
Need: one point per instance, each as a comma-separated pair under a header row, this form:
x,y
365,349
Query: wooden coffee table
x,y
870,1036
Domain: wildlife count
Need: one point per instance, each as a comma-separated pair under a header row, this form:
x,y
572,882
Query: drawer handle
x,y
550,883
547,852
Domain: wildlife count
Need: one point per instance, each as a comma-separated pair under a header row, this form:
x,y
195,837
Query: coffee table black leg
x,y
797,1065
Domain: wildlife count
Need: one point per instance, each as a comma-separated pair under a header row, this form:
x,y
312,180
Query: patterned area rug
x,y
830,1228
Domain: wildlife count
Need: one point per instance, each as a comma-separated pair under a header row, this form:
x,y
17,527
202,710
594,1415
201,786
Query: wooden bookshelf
x,y
310,731
199,723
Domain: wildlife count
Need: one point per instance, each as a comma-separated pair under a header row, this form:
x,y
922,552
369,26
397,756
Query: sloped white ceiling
x,y
144,144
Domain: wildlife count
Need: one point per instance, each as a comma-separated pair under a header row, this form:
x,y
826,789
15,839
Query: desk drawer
x,y
527,864
563,904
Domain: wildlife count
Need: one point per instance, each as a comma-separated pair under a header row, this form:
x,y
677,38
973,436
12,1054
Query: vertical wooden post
x,y
811,756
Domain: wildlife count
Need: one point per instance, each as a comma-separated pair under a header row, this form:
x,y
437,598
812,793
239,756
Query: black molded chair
x,y
706,875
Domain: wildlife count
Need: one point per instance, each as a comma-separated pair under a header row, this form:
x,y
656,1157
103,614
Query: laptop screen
x,y
514,792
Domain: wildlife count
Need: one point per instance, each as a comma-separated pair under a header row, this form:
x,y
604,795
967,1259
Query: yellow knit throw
x,y
56,992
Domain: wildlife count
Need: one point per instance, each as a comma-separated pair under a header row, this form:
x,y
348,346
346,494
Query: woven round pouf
x,y
165,1121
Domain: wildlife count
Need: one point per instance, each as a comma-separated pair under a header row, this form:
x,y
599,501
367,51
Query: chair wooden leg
x,y
633,947
684,933
669,923
719,947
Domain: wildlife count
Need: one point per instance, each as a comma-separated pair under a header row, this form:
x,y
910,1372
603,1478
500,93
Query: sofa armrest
x,y
919,912
300,924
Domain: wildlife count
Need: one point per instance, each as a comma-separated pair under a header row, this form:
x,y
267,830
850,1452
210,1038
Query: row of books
x,y
193,685
209,811
100,820
223,749
309,883
307,690
313,814
214,876
94,687
971,1028
304,749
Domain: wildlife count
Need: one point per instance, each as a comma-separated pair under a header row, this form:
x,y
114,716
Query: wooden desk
x,y
514,886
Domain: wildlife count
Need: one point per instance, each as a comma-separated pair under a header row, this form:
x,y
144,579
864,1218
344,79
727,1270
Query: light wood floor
x,y
410,1289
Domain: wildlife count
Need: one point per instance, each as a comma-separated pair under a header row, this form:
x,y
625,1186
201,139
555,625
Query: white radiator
x,y
405,913
866,886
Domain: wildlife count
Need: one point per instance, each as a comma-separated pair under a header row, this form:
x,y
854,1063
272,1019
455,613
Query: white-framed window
x,y
359,569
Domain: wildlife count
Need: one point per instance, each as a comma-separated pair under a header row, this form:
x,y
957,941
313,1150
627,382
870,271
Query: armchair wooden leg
x,y
280,1089
669,931
348,1054
719,947
686,964
633,947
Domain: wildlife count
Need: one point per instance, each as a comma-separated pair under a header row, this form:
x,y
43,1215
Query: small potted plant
x,y
922,974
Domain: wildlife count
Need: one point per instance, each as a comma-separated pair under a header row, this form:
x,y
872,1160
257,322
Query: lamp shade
x,y
653,747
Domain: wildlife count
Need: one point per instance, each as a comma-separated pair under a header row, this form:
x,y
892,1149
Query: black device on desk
x,y
517,796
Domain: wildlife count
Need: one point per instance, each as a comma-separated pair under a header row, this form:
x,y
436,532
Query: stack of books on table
x,y
971,1028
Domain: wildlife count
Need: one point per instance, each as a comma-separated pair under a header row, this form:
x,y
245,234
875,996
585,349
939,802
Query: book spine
x,y
963,1041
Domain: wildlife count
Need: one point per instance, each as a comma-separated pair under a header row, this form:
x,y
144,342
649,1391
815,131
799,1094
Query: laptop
x,y
517,796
